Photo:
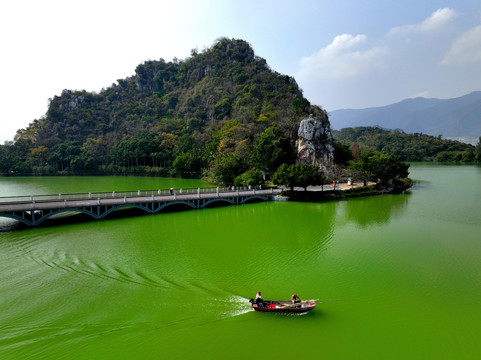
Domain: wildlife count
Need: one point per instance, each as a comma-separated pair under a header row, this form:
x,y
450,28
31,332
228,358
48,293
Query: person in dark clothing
x,y
259,300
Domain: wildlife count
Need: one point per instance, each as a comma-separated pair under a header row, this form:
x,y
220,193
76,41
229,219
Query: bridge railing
x,y
117,194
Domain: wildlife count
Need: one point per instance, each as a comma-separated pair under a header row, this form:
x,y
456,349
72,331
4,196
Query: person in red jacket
x,y
295,298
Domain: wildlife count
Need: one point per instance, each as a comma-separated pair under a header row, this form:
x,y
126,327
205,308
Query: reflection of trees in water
x,y
375,210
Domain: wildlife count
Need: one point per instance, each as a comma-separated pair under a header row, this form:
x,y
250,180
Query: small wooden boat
x,y
284,306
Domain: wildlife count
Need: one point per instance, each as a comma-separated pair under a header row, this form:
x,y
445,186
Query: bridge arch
x,y
40,216
176,203
227,201
254,198
18,218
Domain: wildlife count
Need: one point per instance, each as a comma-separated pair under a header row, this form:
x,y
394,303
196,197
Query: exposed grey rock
x,y
314,143
74,101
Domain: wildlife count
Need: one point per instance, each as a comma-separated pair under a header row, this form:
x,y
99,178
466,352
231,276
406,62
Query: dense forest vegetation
x,y
409,147
222,114
218,113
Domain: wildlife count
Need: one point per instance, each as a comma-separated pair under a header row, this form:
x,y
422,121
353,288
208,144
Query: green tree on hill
x,y
380,167
271,149
249,178
409,147
298,175
188,164
477,151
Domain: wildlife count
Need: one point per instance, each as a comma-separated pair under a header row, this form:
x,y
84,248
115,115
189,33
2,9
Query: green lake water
x,y
406,270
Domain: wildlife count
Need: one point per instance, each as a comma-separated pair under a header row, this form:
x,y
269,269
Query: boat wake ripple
x,y
237,306
72,264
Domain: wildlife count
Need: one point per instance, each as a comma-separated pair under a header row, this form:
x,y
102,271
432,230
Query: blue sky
x,y
343,53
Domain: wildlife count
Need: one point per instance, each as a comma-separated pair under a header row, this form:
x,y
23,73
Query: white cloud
x,y
465,49
343,42
342,58
437,21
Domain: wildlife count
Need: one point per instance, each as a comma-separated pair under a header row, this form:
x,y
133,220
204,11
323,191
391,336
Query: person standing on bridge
x,y
171,191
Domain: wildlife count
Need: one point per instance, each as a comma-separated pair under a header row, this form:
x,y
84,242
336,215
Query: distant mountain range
x,y
457,118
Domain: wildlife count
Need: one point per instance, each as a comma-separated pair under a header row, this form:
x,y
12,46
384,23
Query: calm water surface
x,y
176,285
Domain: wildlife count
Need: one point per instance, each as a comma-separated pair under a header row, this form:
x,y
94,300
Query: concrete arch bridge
x,y
33,210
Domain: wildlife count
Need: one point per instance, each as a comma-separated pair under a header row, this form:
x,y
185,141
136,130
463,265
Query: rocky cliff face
x,y
314,143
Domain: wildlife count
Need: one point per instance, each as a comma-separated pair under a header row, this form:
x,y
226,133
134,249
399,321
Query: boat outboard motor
x,y
258,302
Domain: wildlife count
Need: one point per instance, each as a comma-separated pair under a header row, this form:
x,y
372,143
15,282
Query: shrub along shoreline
x,y
396,187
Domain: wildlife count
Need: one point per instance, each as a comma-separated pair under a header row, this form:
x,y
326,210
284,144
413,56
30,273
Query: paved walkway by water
x,y
330,187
